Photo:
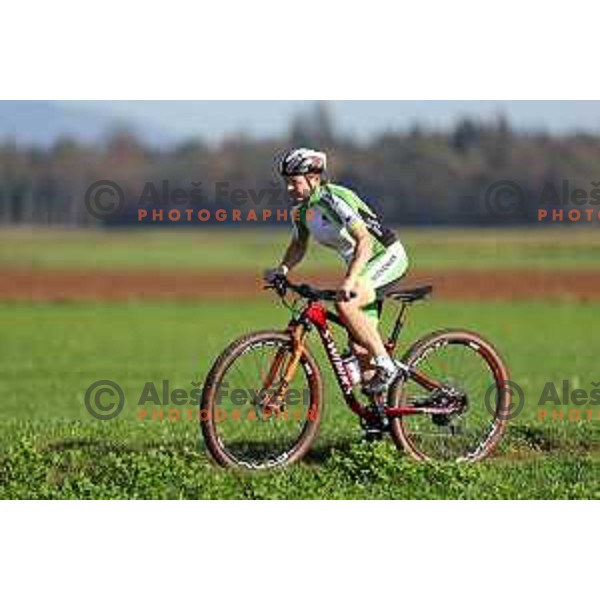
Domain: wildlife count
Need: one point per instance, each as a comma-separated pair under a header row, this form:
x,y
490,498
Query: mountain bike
x,y
263,399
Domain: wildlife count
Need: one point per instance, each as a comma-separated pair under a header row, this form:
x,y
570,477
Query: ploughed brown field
x,y
21,284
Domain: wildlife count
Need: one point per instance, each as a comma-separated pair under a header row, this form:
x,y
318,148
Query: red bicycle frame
x,y
316,314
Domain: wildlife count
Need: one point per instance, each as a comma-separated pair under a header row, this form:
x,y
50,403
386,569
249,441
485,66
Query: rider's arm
x,y
362,251
296,250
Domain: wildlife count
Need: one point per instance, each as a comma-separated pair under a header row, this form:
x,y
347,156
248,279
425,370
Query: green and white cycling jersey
x,y
335,210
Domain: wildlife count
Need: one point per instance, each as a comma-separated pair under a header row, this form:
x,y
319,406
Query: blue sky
x,y
213,119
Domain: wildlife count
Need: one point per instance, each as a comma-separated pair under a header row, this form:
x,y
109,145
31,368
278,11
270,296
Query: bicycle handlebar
x,y
281,284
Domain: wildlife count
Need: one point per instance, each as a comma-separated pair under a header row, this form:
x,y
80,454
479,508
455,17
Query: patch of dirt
x,y
118,285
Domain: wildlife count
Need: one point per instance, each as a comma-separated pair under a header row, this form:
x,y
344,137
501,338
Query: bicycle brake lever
x,y
280,287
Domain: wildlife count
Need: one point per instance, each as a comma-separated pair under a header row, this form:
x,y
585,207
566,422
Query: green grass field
x,y
212,249
51,448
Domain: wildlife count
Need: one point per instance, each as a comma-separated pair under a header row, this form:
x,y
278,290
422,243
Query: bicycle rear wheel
x,y
469,366
249,417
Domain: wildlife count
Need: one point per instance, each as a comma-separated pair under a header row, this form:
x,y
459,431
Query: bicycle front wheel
x,y
476,376
260,409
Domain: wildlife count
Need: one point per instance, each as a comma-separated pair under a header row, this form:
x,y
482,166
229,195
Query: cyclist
x,y
374,257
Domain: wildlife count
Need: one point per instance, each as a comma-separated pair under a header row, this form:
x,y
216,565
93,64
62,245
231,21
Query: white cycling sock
x,y
385,362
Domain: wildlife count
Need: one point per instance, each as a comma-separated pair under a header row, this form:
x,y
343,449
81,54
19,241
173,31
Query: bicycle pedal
x,y
373,435
375,430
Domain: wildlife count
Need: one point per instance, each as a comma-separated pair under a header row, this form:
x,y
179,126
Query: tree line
x,y
414,177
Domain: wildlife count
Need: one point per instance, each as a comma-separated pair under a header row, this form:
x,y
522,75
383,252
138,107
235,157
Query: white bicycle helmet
x,y
301,161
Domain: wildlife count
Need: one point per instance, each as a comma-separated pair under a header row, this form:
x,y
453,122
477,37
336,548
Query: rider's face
x,y
300,187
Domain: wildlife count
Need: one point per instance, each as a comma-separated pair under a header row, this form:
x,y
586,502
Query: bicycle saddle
x,y
406,295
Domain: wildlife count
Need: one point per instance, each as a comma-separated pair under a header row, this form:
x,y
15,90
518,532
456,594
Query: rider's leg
x,y
364,356
362,328
362,317
364,360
